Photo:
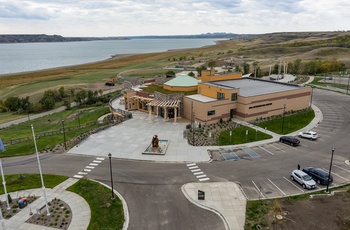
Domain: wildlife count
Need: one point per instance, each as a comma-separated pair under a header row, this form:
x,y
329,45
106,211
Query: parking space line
x,y
266,150
339,176
277,187
342,168
278,149
257,188
291,182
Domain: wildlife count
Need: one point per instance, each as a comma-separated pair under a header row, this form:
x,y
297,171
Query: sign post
x,y
201,195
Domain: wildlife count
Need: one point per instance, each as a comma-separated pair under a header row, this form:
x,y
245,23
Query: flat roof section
x,y
250,87
201,98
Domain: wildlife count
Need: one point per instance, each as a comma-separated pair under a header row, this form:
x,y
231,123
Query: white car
x,y
304,179
309,135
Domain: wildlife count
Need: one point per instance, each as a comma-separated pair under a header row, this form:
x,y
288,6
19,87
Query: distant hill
x,y
22,38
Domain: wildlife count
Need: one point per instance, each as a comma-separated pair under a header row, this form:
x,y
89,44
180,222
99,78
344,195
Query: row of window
x,y
258,106
221,96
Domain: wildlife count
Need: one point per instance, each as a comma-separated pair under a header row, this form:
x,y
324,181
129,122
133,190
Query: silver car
x,y
309,135
304,179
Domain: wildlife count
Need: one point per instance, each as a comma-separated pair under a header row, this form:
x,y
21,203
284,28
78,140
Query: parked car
x,y
309,135
304,179
319,175
290,140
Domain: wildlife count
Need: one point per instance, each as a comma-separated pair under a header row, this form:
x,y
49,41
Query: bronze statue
x,y
155,141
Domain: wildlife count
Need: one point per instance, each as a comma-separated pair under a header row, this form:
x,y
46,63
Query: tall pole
x,y
41,174
347,89
64,135
110,169
4,183
330,169
284,110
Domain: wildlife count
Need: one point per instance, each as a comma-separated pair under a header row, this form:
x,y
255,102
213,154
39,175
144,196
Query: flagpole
x,y
41,174
4,183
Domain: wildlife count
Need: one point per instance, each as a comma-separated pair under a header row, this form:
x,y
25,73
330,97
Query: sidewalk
x,y
80,208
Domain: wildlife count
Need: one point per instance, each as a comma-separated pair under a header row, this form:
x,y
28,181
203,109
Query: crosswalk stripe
x,y
89,167
87,170
100,158
192,164
193,167
200,176
78,176
195,170
197,173
204,179
92,164
95,161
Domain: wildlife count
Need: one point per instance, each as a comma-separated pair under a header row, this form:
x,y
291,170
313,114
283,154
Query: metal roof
x,y
183,80
253,87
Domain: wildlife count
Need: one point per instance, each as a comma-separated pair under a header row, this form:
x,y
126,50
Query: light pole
x,y
64,135
284,110
110,169
347,89
330,169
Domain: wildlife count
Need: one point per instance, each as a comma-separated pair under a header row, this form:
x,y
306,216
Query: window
x,y
211,112
234,97
220,96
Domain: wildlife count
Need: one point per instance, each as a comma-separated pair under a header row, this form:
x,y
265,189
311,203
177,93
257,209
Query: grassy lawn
x,y
292,122
239,136
50,123
105,212
17,182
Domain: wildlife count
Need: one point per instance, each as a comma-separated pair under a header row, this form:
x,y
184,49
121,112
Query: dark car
x,y
318,174
290,140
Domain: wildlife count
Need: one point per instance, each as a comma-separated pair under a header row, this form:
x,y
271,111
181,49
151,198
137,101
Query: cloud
x,y
144,17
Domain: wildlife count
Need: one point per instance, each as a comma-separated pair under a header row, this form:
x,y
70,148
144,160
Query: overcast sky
x,y
165,17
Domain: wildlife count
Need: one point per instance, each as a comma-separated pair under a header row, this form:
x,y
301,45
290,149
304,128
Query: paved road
x,y
152,190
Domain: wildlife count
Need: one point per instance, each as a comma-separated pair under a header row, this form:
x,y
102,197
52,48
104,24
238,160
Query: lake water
x,y
21,57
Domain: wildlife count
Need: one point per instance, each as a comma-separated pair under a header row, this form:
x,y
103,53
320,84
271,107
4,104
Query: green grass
x,y
98,196
49,123
256,210
17,182
239,136
292,122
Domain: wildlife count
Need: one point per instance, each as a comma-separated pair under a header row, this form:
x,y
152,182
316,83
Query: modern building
x,y
222,96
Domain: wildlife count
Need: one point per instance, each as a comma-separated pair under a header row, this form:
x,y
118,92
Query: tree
x,y
13,103
62,92
26,105
212,64
170,72
47,102
191,74
255,64
199,69
246,68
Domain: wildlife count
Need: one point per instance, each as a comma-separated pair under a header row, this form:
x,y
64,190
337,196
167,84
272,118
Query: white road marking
x,y
294,184
82,173
259,191
195,170
89,167
92,164
197,173
204,179
201,176
277,187
78,176
193,167
342,168
87,170
95,161
100,158
192,164
266,150
278,148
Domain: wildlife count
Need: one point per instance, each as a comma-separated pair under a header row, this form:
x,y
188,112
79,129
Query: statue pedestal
x,y
160,150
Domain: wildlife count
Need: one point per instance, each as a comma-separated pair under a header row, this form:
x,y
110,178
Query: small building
x,y
182,83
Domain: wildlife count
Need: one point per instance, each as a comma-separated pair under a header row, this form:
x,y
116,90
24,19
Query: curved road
x,y
153,190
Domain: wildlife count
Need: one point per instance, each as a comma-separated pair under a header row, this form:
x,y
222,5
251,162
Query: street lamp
x,y
330,169
64,135
284,111
110,169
